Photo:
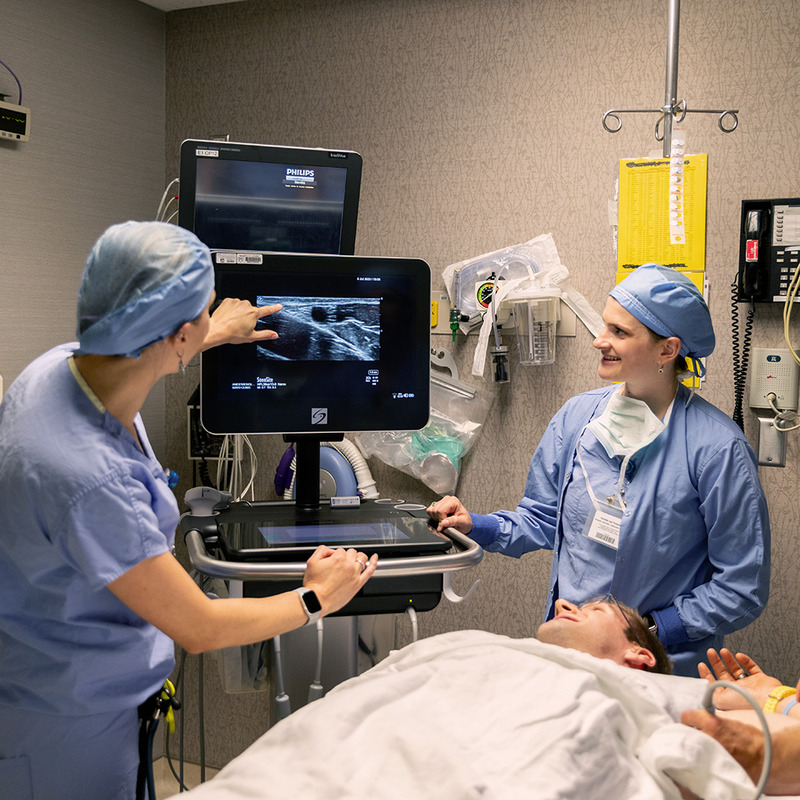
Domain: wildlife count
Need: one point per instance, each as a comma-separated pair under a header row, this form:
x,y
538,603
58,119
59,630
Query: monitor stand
x,y
306,475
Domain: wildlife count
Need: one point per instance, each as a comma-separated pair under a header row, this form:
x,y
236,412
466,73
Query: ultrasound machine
x,y
353,354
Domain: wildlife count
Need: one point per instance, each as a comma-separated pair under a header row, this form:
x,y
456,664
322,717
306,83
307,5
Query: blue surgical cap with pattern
x,y
142,281
668,303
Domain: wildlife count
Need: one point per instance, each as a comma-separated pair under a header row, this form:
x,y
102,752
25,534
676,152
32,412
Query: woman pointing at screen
x,y
92,596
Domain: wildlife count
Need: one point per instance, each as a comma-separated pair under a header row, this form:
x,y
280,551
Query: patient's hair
x,y
640,633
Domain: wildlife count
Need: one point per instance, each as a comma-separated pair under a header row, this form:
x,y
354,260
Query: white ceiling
x,y
174,5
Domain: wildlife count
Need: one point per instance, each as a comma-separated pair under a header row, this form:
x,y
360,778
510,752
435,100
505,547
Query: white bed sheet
x,y
471,714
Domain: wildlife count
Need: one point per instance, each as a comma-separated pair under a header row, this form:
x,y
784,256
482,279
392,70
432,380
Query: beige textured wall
x,y
479,122
92,74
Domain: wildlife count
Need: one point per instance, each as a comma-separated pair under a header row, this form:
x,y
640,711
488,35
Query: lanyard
x,y
96,402
619,492
87,390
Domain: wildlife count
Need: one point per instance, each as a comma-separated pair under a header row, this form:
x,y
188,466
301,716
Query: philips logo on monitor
x,y
303,178
319,416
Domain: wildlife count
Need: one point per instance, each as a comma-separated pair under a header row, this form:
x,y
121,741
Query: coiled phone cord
x,y
741,354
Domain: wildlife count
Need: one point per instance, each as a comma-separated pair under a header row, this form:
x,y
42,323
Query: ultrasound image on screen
x,y
322,329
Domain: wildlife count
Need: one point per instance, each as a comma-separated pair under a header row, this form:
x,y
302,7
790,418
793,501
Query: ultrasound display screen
x,y
352,353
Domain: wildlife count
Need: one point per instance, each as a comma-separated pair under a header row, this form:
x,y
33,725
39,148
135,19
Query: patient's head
x,y
607,629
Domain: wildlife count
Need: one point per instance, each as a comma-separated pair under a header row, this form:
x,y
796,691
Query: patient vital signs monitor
x,y
268,197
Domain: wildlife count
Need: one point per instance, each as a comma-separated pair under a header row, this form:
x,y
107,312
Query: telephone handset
x,y
769,249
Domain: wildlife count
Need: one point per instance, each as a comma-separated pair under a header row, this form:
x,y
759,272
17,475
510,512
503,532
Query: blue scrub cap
x,y
142,281
668,303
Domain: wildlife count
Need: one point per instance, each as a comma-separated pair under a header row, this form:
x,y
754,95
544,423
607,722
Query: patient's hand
x,y
450,513
727,668
744,742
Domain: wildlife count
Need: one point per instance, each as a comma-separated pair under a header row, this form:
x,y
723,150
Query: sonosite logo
x,y
319,416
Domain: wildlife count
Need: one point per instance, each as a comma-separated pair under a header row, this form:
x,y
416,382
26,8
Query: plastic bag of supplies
x,y
434,454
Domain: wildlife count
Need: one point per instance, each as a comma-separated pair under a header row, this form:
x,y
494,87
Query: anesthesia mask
x,y
626,425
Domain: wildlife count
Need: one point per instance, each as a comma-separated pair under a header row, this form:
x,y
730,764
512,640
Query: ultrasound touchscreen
x,y
352,351
354,533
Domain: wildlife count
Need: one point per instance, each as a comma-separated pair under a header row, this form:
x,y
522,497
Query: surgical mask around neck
x,y
626,425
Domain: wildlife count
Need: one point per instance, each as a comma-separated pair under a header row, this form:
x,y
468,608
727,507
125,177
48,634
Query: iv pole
x,y
672,108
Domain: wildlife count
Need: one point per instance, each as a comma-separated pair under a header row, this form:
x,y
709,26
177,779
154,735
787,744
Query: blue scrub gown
x,y
694,544
80,504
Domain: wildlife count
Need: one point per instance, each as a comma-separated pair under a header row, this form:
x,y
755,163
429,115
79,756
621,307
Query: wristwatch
x,y
310,603
651,623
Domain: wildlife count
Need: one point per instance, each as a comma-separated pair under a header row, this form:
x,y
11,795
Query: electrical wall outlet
x,y
773,371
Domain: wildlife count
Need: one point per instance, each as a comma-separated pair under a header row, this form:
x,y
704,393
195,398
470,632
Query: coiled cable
x,y
741,354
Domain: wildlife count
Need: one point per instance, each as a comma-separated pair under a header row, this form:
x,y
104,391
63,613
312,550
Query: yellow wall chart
x,y
662,215
644,214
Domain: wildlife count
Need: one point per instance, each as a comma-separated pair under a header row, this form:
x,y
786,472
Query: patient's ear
x,y
638,658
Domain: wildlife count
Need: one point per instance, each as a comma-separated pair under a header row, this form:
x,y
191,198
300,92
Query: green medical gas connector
x,y
455,316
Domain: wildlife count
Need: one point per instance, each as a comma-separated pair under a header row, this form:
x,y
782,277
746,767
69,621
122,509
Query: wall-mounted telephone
x,y
769,249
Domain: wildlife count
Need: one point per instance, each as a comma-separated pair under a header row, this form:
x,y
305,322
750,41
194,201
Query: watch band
x,y
652,625
310,603
776,695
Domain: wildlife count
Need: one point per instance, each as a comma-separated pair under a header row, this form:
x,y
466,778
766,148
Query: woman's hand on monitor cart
x,y
337,574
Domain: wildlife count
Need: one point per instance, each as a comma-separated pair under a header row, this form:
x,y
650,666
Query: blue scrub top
x,y
694,544
80,504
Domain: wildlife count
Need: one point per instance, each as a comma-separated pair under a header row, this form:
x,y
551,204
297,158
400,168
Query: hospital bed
x,y
471,714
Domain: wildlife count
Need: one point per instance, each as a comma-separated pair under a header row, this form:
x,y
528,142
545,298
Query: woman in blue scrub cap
x,y
91,596
644,489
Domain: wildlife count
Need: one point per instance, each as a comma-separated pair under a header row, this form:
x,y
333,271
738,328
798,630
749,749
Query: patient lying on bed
x,y
579,712
606,628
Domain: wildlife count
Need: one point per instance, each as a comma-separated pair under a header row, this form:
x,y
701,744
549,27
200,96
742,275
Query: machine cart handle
x,y
469,554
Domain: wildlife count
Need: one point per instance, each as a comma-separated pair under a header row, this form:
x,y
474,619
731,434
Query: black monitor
x,y
352,354
268,197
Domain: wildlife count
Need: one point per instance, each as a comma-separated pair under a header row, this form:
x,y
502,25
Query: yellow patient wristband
x,y
776,695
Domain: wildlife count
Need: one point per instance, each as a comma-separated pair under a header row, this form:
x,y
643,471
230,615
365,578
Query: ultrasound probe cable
x,y
708,705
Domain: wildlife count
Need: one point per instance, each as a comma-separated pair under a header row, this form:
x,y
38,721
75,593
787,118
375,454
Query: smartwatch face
x,y
312,601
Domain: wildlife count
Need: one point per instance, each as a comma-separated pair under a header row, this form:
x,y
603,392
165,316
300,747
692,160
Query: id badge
x,y
603,526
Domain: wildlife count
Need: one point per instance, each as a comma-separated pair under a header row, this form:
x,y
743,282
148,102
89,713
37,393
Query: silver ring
x,y
363,564
743,675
